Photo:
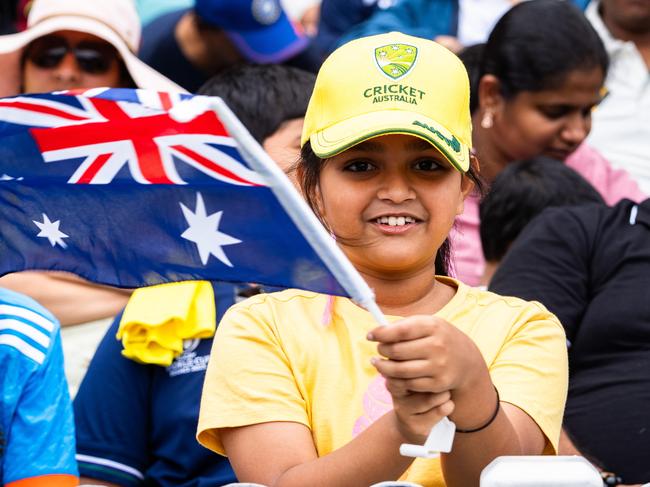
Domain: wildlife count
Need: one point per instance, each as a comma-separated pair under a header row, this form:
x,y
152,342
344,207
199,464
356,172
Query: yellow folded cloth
x,y
157,319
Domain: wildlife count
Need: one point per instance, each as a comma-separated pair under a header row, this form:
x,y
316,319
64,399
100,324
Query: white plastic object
x,y
440,439
540,471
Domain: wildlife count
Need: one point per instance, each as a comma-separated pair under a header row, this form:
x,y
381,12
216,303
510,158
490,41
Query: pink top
x,y
612,184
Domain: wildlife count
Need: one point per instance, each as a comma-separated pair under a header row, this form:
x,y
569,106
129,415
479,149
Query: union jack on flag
x,y
132,188
111,130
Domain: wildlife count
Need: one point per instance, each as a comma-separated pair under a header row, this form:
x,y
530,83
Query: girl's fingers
x,y
421,348
420,403
415,419
410,328
406,386
410,369
399,390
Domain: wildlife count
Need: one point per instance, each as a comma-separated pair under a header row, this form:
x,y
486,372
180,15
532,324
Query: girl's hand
x,y
417,412
429,367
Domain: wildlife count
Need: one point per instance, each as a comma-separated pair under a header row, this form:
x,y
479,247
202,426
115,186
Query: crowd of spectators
x,y
552,209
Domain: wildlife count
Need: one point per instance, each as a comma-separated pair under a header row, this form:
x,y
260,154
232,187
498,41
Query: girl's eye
x,y
428,165
359,166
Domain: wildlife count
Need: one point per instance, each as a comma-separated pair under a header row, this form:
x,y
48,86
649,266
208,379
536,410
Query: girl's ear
x,y
319,207
490,99
318,201
310,190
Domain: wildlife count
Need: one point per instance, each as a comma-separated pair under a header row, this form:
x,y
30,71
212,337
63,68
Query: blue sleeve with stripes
x,y
37,423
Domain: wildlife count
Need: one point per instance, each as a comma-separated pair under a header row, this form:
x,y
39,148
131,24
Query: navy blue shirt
x,y
590,265
161,51
136,423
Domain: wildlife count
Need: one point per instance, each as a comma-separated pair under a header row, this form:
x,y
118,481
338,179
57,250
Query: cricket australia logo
x,y
396,60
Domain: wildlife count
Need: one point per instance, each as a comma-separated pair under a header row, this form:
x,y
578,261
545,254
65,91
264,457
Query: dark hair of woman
x,y
534,47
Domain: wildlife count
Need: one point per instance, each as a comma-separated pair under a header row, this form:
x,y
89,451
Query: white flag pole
x,y
441,436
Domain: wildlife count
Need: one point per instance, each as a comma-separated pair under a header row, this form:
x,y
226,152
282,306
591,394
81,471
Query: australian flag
x,y
132,188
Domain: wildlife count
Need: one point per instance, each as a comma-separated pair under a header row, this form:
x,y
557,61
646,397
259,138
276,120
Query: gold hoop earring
x,y
488,120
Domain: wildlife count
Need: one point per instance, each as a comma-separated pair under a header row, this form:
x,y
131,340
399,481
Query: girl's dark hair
x,y
308,172
534,47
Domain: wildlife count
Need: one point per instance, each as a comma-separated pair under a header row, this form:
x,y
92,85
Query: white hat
x,y
115,21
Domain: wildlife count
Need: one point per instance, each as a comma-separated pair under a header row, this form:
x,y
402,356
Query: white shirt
x,y
476,18
621,123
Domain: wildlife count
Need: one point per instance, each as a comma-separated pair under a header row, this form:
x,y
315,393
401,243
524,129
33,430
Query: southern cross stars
x,y
50,230
204,232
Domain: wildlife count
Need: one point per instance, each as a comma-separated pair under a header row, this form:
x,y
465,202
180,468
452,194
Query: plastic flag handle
x,y
440,439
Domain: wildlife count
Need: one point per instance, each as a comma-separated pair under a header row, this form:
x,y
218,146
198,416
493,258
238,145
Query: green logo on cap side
x,y
453,143
396,60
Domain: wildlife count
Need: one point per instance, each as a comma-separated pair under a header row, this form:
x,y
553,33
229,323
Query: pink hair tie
x,y
328,311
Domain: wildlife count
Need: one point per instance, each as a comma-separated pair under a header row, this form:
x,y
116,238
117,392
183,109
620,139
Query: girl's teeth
x,y
395,221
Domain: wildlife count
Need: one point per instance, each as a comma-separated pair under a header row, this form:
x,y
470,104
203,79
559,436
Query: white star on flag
x,y
50,230
204,232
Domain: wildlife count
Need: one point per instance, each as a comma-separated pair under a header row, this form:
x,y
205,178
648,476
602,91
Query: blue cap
x,y
260,29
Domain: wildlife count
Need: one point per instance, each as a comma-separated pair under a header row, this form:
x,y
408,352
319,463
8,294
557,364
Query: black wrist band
x,y
489,421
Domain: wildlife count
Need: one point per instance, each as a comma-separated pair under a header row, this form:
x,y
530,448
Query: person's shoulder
x,y
159,31
595,216
165,23
626,209
518,311
27,329
273,310
564,221
485,298
645,204
13,298
287,297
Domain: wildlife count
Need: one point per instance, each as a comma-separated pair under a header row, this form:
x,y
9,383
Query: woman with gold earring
x,y
534,85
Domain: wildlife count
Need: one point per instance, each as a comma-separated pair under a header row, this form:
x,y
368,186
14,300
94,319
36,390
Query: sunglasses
x,y
92,57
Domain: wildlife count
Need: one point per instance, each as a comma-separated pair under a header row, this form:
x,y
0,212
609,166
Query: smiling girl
x,y
305,389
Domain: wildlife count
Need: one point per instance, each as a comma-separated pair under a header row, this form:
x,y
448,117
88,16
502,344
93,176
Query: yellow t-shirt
x,y
303,357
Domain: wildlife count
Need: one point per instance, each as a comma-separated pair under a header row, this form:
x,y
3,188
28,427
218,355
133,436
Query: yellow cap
x,y
391,84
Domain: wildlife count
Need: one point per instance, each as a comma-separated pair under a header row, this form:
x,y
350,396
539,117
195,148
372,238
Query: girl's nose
x,y
395,188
